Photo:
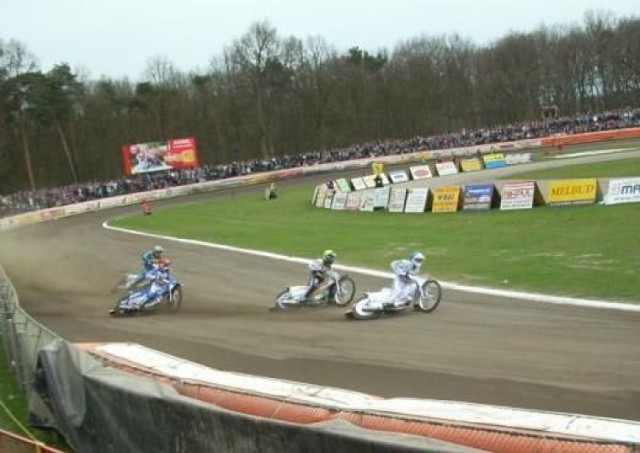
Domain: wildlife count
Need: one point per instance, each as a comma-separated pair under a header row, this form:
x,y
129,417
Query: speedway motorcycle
x,y
294,296
425,298
168,289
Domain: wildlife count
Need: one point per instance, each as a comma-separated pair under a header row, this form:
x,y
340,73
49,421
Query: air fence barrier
x,y
103,399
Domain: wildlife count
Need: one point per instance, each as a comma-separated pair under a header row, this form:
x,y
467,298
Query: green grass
x,y
582,251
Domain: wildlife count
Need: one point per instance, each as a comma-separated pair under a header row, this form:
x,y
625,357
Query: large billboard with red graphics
x,y
155,156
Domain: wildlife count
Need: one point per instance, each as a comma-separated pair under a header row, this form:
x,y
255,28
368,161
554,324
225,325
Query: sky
x,y
117,38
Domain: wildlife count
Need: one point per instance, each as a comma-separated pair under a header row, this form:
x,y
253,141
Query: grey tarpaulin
x,y
102,409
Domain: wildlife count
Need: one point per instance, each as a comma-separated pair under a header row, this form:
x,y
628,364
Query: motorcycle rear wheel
x,y
347,291
432,295
358,312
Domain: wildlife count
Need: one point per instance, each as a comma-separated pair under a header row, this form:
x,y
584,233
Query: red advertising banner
x,y
156,156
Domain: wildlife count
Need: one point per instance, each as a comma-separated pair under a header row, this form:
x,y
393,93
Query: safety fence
x,y
23,337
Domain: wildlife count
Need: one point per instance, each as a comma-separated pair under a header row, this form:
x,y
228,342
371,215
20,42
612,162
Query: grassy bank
x,y
14,409
581,251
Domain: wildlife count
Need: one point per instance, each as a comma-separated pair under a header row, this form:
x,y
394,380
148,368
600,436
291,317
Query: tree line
x,y
266,95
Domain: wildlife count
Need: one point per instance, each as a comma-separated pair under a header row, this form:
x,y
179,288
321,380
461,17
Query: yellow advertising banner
x,y
446,199
377,167
572,191
471,164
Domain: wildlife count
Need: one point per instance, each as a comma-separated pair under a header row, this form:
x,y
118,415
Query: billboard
x,y
519,195
623,190
572,191
478,197
156,156
446,199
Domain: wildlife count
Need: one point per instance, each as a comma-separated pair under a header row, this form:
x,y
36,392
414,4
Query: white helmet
x,y
416,258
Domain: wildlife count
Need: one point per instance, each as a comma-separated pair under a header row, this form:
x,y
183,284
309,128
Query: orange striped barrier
x,y
588,137
310,407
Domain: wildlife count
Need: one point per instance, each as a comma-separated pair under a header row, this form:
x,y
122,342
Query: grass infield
x,y
589,251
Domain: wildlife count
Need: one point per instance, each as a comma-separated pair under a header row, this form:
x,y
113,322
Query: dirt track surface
x,y
473,348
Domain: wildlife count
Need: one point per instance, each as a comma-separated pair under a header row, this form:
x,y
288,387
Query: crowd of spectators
x,y
59,196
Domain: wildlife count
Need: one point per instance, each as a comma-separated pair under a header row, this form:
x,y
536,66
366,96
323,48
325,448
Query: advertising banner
x,y
321,195
397,176
446,199
446,168
494,160
358,184
339,201
420,172
478,197
377,168
381,197
416,199
343,185
156,156
397,199
518,195
366,202
519,158
572,191
328,199
623,190
370,180
353,201
471,164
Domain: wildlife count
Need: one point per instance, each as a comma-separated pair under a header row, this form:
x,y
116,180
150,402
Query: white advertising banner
x,y
339,201
353,201
417,199
518,195
519,158
397,176
358,184
328,200
322,193
420,172
397,199
446,168
366,202
623,190
381,197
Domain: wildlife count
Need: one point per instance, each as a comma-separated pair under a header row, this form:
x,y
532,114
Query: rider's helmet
x,y
158,251
416,259
328,257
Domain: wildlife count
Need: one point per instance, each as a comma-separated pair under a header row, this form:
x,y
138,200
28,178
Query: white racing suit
x,y
403,284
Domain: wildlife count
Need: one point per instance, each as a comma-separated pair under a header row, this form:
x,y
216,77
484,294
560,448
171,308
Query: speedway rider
x,y
150,259
319,269
403,283
159,279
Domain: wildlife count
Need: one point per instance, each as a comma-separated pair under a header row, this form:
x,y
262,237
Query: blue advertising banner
x,y
494,160
478,197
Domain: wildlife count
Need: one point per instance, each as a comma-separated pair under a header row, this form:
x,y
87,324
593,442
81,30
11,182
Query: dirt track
x,y
474,348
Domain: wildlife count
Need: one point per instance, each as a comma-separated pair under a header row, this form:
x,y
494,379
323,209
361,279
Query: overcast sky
x,y
116,38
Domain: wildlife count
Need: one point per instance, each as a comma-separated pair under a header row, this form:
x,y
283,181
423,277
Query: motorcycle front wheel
x,y
430,298
284,300
175,301
346,291
359,311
